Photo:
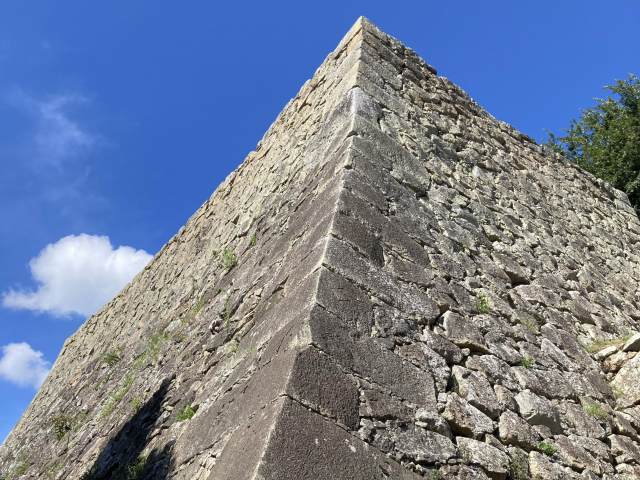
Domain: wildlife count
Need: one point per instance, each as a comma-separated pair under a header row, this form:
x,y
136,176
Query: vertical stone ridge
x,y
463,355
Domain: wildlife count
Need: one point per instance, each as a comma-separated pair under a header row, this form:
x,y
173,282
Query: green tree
x,y
605,140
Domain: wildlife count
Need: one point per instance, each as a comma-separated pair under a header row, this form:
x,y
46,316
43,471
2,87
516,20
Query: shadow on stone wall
x,y
121,458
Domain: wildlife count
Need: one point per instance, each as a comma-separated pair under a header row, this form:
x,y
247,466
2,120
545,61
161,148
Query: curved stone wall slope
x,y
393,285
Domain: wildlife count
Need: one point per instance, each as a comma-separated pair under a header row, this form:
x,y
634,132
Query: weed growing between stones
x,y
195,310
598,345
226,315
136,404
117,396
519,467
228,259
62,424
527,362
483,305
155,343
529,322
187,413
136,469
53,469
234,345
617,392
20,469
111,358
252,241
547,448
596,411
434,475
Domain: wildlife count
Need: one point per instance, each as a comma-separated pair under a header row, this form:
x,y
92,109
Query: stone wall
x,y
492,276
393,285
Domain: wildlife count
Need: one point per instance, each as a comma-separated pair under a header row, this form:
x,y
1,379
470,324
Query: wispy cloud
x,y
50,157
21,365
77,275
57,138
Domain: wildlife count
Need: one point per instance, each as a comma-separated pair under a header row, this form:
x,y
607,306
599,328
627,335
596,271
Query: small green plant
x,y
111,358
253,240
117,396
434,475
529,322
193,311
187,413
155,344
228,259
136,469
252,350
226,315
233,347
596,411
527,362
483,305
197,308
136,404
547,448
53,469
151,351
20,469
519,467
62,424
617,392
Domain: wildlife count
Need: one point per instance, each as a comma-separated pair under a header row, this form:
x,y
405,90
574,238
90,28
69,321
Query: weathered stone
x,y
506,398
476,390
544,469
450,352
627,383
580,422
575,456
423,446
513,430
624,449
550,383
382,406
622,425
492,460
538,411
598,450
463,333
460,472
605,352
465,419
431,420
496,370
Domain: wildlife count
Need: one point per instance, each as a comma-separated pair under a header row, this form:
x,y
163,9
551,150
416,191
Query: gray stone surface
x,y
627,383
514,430
538,411
394,283
493,461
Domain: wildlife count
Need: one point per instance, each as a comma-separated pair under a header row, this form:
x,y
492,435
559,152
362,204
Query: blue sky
x,y
118,119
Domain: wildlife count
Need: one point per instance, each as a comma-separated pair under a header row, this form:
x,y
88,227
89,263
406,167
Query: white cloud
x,y
22,365
77,275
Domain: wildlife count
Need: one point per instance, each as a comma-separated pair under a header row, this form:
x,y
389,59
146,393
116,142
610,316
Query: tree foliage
x,y
605,140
